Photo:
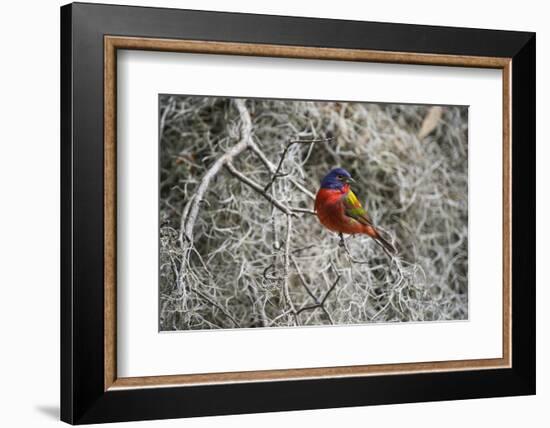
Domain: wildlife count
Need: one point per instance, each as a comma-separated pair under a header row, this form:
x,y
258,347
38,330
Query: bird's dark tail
x,y
385,244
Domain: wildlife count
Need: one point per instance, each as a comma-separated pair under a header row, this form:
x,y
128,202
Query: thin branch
x,y
306,286
255,186
303,211
307,247
321,304
381,310
352,259
210,300
277,173
269,277
261,155
278,317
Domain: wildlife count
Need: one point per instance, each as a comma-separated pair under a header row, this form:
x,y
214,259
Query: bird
x,y
339,210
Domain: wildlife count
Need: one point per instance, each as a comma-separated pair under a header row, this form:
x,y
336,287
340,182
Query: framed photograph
x,y
265,213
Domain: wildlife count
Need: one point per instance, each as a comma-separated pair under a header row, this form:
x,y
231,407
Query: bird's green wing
x,y
353,208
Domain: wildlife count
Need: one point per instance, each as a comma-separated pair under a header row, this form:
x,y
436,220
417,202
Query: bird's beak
x,y
348,180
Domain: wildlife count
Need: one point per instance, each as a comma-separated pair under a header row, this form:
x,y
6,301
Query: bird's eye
x,y
339,177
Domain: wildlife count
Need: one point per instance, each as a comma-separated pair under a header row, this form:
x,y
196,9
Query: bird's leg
x,y
342,243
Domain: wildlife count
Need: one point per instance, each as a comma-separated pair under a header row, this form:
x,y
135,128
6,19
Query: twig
x,y
307,247
267,163
352,259
277,173
381,310
213,303
303,211
304,283
269,277
322,302
278,317
255,186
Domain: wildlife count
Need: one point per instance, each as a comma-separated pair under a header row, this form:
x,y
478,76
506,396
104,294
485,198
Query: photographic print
x,y
292,213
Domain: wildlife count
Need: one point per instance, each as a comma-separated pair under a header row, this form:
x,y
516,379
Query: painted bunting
x,y
339,209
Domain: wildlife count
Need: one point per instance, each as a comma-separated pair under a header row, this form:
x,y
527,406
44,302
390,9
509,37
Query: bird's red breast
x,y
331,212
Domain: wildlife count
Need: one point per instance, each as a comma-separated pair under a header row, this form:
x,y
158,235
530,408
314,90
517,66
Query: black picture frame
x,y
83,398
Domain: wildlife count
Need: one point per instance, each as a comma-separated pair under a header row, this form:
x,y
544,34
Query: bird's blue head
x,y
336,179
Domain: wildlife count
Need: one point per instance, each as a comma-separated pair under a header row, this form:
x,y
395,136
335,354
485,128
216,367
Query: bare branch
x,y
352,259
210,300
321,304
277,173
255,186
303,211
304,283
261,155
